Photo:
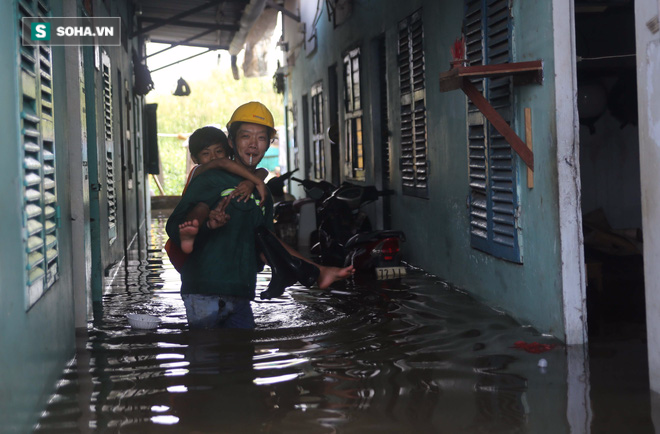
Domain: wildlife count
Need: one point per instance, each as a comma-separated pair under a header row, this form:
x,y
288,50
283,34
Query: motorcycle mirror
x,y
287,175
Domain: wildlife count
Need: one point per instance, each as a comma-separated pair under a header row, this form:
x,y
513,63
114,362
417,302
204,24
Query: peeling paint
x,y
653,70
573,282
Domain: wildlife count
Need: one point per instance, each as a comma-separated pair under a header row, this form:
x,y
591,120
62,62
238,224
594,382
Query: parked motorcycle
x,y
276,187
316,190
346,236
307,208
284,215
294,218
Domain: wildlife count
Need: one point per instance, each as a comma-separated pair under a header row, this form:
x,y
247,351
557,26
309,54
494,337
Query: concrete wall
x,y
37,342
128,220
437,229
648,81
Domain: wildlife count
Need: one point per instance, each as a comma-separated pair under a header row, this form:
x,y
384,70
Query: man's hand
x,y
218,217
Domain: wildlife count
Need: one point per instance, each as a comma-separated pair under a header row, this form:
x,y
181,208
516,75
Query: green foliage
x,y
173,164
211,101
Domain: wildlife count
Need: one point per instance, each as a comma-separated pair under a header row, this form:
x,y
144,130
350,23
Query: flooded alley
x,y
413,355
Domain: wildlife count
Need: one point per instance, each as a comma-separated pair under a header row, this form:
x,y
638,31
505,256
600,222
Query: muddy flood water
x,y
412,355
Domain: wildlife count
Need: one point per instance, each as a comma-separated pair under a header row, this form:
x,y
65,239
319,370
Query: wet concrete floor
x,y
412,355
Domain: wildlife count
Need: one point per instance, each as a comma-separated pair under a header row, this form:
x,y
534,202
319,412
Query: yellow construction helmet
x,y
253,112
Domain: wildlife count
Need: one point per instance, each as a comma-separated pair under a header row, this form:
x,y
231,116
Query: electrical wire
x,y
619,56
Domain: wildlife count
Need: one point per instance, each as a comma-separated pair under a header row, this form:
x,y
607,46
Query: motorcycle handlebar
x,y
277,182
369,192
315,189
306,183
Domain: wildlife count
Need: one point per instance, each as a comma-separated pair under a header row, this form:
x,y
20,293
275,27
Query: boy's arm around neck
x,y
233,167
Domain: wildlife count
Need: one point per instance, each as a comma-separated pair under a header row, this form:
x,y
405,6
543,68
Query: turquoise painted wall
x,y
36,344
437,228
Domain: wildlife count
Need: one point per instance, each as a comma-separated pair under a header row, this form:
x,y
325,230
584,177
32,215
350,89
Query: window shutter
x,y
109,150
492,170
41,212
413,161
476,129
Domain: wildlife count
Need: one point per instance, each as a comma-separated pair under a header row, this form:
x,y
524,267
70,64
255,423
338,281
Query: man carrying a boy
x,y
209,149
218,279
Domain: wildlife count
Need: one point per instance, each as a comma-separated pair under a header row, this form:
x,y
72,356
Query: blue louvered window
x,y
492,166
412,86
40,207
109,148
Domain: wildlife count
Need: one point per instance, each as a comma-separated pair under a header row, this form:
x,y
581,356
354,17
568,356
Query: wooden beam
x,y
498,122
486,71
531,71
528,139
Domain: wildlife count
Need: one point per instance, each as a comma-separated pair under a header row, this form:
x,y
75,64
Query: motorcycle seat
x,y
298,203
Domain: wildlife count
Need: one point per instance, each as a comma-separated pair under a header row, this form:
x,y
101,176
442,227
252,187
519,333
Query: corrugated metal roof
x,y
198,23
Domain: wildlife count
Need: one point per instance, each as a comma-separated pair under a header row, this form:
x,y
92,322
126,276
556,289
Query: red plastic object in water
x,y
176,255
533,347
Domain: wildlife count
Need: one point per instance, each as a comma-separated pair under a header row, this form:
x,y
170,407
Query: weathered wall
x,y
648,79
127,219
437,229
38,342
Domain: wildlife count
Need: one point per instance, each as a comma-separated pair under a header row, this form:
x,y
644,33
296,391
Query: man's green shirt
x,y
224,261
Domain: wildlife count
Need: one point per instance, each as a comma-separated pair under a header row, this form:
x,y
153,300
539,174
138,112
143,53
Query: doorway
x,y
611,207
609,167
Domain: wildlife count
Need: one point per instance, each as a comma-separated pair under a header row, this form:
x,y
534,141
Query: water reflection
x,y
412,355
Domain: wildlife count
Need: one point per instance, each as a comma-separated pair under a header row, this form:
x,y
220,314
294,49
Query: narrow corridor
x,y
414,355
